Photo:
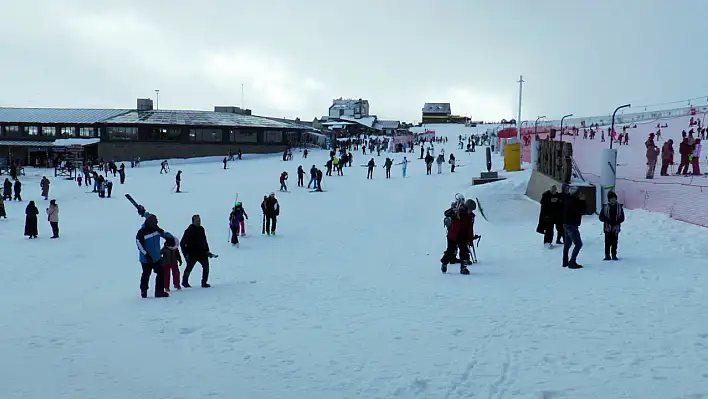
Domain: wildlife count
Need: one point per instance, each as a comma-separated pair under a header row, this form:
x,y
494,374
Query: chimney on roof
x,y
145,104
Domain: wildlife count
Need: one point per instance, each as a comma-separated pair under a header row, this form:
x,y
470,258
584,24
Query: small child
x,y
283,180
612,216
79,179
170,258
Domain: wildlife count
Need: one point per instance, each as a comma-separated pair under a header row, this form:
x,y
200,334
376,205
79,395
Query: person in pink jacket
x,y
53,217
696,157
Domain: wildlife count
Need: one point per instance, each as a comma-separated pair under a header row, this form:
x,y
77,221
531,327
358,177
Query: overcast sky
x,y
294,57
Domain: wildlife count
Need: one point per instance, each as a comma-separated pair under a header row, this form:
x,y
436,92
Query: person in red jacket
x,y
459,220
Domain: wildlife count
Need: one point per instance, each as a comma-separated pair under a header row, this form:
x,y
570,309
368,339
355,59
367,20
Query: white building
x,y
349,107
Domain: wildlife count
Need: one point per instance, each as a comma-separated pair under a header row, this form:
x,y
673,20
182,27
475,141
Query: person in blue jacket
x,y
149,246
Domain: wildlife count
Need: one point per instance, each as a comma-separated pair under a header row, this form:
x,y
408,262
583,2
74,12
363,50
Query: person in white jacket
x,y
53,217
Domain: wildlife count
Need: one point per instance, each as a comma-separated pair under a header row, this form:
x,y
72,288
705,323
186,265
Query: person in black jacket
x,y
370,172
196,250
300,176
31,213
319,180
551,216
271,210
574,209
18,190
612,215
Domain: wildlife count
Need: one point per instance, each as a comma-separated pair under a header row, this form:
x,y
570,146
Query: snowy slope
x,y
347,301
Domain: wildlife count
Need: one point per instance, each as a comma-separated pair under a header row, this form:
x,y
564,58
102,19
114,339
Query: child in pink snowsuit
x,y
696,157
170,258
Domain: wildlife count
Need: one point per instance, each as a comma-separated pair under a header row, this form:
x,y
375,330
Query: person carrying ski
x,y
440,161
178,181
148,242
196,250
313,177
53,217
283,181
388,165
612,216
574,207
459,220
237,222
371,165
171,260
271,210
300,177
551,216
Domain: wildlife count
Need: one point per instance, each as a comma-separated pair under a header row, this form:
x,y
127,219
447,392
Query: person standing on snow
x,y
225,161
319,180
3,214
170,261
371,165
452,163
685,152
121,173
272,210
612,216
164,167
7,189
387,164
148,241
313,177
652,155
53,217
667,157
574,209
196,250
695,157
440,161
178,181
429,164
350,158
237,222
459,221
283,181
404,165
300,177
18,190
31,213
551,216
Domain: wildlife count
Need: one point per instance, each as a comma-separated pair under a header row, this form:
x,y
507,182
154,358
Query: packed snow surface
x,y
347,300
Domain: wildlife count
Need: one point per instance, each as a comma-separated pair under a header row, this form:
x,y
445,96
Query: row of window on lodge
x,y
131,134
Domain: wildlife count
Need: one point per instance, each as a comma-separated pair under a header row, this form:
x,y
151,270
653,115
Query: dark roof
x,y
197,118
437,108
57,115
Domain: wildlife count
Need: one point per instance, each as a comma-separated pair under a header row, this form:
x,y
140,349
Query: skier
x,y
452,163
550,216
196,250
371,165
404,166
18,190
459,220
271,210
667,156
148,241
440,161
300,176
178,181
283,181
171,258
53,217
7,189
121,173
237,220
3,214
574,209
388,165
612,216
164,167
652,155
304,153
313,177
225,161
319,180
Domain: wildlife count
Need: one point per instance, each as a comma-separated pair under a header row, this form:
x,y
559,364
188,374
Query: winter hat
x,y
611,195
170,241
470,205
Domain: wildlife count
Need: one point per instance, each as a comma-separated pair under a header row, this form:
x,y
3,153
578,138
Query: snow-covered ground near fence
x,y
347,301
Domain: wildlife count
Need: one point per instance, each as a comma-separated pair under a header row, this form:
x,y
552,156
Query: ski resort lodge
x,y
34,135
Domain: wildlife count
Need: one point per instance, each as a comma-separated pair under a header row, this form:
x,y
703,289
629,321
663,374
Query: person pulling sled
x,y
459,220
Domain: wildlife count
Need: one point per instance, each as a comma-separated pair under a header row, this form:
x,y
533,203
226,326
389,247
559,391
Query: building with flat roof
x,y
31,135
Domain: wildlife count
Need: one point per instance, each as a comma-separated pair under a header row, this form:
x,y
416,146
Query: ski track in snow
x,y
347,300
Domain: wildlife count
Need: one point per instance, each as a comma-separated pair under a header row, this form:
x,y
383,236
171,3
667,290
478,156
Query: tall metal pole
x,y
242,96
518,119
561,139
613,121
157,99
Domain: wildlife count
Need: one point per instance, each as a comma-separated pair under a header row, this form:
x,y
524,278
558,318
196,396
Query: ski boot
x,y
463,267
443,268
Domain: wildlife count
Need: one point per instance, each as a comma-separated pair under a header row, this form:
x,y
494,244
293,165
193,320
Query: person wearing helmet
x,y
460,233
